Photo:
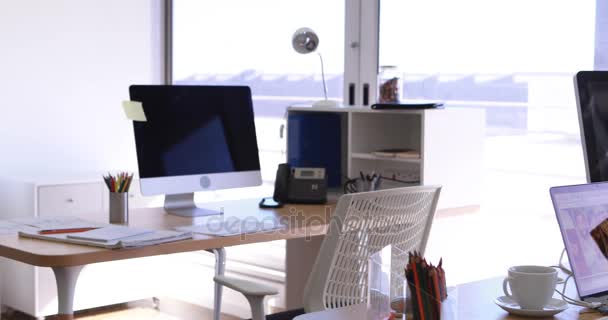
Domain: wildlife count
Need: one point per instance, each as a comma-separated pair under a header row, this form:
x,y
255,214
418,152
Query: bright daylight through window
x,y
516,61
512,59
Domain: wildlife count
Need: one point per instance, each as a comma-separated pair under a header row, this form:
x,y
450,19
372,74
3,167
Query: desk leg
x,y
220,267
300,258
66,278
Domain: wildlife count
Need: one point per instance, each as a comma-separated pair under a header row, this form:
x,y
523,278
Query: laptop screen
x,y
581,212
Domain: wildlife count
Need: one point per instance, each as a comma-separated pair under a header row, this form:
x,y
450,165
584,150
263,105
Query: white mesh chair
x,y
363,223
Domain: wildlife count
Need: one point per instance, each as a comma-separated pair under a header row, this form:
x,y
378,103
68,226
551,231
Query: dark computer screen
x,y
195,130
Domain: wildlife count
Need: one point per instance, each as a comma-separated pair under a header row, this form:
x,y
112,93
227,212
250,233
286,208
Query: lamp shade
x,y
305,40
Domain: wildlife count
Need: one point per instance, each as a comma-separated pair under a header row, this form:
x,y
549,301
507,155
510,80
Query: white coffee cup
x,y
532,286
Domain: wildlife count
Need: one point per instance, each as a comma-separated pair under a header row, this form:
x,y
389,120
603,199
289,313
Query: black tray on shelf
x,y
407,105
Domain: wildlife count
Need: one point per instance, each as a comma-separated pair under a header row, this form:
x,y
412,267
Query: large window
x,y
512,59
516,61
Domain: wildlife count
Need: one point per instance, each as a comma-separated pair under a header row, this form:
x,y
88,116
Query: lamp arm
x,y
323,75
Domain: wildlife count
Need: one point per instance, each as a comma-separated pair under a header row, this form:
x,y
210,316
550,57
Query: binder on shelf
x,y
314,140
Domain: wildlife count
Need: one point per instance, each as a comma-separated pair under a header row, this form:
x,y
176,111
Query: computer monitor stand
x,y
183,205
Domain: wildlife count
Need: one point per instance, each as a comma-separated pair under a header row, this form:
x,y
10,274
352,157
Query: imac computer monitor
x,y
196,138
591,88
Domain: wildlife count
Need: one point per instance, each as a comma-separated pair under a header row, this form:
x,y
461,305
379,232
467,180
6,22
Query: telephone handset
x,y
281,183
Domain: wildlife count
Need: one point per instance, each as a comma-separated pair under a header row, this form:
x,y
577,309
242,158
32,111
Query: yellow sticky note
x,y
134,110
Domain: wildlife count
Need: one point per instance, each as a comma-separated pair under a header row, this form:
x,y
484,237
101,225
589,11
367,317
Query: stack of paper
x,y
13,226
397,153
147,239
8,228
63,229
56,223
109,234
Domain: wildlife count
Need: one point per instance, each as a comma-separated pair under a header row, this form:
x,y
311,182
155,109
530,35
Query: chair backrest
x,y
363,224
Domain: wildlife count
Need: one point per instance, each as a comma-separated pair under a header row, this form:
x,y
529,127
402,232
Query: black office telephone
x,y
300,185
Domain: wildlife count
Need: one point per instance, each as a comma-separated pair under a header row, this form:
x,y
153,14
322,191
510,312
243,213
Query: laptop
x,y
582,213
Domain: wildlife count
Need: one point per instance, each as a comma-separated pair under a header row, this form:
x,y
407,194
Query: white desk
x,y
305,224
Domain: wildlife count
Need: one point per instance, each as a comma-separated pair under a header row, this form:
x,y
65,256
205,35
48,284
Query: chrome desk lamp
x,y
305,41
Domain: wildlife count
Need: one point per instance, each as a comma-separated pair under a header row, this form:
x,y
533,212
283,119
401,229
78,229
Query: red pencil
x,y
417,284
60,231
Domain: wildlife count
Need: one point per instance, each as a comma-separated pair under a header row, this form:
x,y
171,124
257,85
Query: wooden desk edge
x,y
89,255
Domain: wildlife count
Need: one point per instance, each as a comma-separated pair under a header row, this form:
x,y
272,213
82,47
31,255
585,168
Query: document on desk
x,y
110,233
157,237
12,228
146,239
56,223
234,226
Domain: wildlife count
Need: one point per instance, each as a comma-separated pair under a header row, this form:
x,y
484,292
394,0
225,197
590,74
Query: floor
x,y
166,309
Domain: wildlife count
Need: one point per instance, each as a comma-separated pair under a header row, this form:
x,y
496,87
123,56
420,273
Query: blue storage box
x,y
314,140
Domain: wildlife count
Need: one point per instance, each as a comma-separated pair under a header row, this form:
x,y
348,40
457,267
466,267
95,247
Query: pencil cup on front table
x,y
119,207
119,196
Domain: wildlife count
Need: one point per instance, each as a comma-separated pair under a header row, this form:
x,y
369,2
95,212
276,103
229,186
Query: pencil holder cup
x,y
364,186
119,207
360,185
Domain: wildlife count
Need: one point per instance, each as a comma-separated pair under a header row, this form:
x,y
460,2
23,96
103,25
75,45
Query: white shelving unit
x,y
450,142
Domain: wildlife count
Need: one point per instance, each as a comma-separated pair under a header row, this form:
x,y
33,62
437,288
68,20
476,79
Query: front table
x,y
474,301
306,223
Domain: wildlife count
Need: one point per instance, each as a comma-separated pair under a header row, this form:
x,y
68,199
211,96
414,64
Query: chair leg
x,y
257,307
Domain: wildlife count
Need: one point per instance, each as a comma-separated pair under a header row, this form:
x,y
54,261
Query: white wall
x,y
65,67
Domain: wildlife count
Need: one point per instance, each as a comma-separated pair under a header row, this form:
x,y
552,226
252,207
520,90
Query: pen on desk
x,y
60,231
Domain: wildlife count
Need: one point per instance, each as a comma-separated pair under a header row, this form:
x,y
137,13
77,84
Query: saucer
x,y
554,307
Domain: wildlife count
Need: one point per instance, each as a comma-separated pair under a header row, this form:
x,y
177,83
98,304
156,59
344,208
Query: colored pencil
x,y
60,231
119,183
418,288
